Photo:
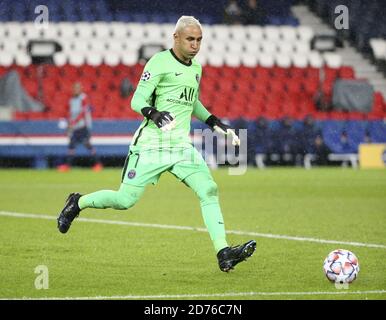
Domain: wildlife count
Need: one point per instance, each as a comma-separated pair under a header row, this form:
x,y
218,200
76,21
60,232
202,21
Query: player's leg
x,y
195,173
64,167
96,163
124,198
135,176
206,189
69,159
76,138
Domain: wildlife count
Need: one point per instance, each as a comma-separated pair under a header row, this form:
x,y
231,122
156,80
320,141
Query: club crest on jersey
x,y
198,78
131,174
145,76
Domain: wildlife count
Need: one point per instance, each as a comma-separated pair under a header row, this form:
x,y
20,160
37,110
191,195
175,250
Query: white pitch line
x,y
207,295
173,227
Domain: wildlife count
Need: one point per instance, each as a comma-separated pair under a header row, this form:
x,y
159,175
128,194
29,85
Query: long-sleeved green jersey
x,y
168,84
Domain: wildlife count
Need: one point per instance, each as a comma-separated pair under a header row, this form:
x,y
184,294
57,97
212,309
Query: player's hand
x,y
221,127
163,120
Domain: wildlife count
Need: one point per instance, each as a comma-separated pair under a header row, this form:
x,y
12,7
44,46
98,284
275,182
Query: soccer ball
x,y
341,266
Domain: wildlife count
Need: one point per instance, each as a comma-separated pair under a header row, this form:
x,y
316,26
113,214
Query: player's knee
x,y
128,198
126,203
208,191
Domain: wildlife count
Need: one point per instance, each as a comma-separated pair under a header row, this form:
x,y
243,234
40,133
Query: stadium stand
x,y
249,71
365,19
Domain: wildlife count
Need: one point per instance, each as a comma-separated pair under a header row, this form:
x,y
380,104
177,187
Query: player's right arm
x,y
145,92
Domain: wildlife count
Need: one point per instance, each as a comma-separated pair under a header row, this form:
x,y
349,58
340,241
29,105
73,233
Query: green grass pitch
x,y
143,259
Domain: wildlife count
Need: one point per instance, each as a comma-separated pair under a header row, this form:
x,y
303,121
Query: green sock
x,y
215,224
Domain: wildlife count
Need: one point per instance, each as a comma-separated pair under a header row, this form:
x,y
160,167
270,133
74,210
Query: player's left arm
x,y
201,113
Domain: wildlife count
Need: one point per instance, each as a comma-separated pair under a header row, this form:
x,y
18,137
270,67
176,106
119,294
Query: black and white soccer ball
x,y
341,266
145,76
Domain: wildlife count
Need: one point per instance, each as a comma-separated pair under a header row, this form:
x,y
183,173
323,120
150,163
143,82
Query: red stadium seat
x,y
220,105
338,115
20,115
70,72
229,73
229,91
243,88
311,86
279,73
3,70
87,71
125,71
261,87
33,115
312,73
49,87
246,73
330,74
377,111
97,100
297,73
294,86
225,86
211,72
104,71
31,71
60,102
102,84
208,83
262,72
31,86
346,72
51,71
276,86
356,115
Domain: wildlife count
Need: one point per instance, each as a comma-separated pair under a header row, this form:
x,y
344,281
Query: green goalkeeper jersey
x,y
168,84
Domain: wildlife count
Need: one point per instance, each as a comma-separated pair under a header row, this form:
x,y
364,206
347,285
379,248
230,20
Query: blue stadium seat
x,y
331,131
356,130
72,17
377,131
366,19
106,16
159,18
171,18
159,11
140,17
123,17
55,16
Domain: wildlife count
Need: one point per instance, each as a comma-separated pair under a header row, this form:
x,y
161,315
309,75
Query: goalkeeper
x,y
167,97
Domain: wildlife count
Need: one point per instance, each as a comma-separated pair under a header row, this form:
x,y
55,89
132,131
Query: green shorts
x,y
144,166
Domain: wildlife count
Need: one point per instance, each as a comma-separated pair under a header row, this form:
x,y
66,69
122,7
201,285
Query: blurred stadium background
x,y
284,67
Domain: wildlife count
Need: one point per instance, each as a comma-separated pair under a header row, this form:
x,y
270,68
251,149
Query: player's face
x,y
188,41
77,89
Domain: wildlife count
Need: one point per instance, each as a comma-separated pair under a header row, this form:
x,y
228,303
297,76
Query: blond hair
x,y
185,21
